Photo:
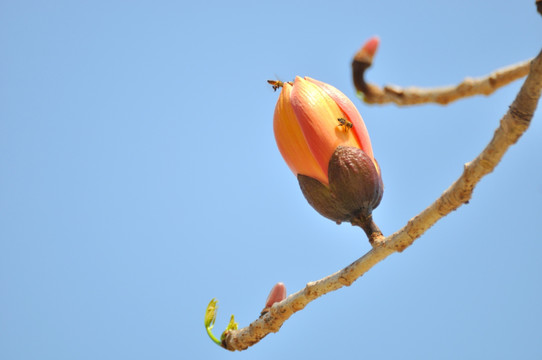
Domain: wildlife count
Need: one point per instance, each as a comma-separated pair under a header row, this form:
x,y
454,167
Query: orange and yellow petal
x,y
317,114
290,140
345,104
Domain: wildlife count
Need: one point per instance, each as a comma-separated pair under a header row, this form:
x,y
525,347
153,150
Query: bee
x,y
347,125
275,84
278,84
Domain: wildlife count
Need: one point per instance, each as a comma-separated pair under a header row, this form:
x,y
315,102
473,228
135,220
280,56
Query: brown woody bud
x,y
355,186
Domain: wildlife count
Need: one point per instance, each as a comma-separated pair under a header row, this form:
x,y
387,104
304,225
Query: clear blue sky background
x,y
139,178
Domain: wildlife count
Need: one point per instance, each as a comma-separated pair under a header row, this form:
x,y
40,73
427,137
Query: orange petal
x,y
359,129
290,139
317,114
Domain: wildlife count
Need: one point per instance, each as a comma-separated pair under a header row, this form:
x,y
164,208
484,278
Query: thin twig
x,y
486,85
512,126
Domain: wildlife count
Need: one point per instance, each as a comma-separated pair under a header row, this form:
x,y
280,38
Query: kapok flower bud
x,y
368,50
324,141
361,62
277,294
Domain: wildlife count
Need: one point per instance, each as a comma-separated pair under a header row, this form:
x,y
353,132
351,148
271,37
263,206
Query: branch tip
x,y
374,94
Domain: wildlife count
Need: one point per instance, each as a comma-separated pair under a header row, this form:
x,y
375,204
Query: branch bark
x,y
513,124
486,85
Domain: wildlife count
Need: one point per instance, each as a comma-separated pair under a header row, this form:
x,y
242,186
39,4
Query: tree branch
x,y
486,85
513,124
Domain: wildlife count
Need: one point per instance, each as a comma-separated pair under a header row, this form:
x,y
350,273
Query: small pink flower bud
x,y
277,294
370,47
362,61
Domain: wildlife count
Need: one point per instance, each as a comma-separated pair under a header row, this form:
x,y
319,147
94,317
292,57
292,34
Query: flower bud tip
x,y
368,50
277,294
371,46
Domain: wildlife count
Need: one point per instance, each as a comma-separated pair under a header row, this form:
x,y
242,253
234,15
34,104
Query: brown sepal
x,y
321,199
355,186
354,180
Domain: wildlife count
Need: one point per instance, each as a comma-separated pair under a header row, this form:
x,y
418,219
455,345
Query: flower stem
x,y
371,229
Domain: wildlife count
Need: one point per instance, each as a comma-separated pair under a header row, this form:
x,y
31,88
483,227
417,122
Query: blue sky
x,y
140,178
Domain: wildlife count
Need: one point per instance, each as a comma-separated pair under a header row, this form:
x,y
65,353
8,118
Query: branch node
x,y
520,117
366,222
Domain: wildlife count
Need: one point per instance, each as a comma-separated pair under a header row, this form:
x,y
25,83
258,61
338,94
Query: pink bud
x,y
370,47
277,294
